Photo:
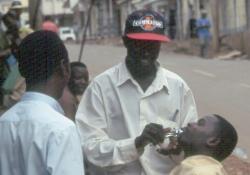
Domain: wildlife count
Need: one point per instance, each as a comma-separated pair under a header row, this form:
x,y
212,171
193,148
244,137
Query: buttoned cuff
x,y
128,149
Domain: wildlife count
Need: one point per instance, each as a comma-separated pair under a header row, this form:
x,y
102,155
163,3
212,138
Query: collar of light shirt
x,y
159,82
36,96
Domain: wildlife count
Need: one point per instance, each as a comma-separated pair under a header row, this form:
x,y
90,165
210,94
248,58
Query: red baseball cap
x,y
146,25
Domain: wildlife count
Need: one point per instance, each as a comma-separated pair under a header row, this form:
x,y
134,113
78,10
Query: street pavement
x,y
219,86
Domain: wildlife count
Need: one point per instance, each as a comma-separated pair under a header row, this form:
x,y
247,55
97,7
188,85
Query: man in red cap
x,y
124,110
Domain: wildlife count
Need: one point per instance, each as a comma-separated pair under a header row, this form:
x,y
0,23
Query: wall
x,y
54,7
239,41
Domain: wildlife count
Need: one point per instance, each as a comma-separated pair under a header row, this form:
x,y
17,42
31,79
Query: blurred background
x,y
92,30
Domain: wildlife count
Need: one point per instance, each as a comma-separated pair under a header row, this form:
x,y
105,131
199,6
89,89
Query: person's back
x,y
36,137
31,137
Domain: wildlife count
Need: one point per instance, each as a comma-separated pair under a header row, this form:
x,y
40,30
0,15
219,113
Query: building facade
x,y
59,10
228,17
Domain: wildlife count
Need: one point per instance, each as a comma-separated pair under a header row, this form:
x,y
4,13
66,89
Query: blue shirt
x,y
37,139
203,25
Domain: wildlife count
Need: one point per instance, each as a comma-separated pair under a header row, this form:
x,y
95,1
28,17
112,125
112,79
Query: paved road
x,y
221,87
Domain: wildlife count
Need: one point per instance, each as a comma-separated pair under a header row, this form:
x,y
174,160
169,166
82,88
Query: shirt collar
x,y
159,82
123,74
36,96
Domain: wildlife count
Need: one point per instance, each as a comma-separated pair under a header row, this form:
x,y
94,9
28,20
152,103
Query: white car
x,y
67,34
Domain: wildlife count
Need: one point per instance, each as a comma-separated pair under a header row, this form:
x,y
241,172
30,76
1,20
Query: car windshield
x,y
66,32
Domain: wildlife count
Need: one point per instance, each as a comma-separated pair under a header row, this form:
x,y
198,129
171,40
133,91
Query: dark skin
x,y
152,133
53,87
197,139
141,60
200,137
79,80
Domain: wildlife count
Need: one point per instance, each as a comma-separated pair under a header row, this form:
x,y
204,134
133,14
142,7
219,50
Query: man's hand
x,y
173,148
152,133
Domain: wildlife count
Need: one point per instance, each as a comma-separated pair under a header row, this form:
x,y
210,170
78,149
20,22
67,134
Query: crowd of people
x,y
12,85
65,124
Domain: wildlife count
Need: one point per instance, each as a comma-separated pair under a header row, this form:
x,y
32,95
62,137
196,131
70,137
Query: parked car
x,y
67,34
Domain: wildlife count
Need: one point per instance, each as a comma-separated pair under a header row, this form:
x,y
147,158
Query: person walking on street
x,y
203,25
124,110
36,137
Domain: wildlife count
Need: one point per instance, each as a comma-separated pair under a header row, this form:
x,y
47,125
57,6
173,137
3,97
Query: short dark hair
x,y
40,55
228,138
77,64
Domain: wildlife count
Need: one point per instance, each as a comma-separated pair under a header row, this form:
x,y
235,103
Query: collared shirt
x,y
199,165
114,110
37,139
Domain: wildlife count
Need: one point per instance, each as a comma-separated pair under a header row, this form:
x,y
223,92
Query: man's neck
x,y
145,79
43,89
193,152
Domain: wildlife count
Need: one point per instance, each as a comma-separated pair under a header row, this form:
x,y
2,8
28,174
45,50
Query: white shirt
x,y
114,110
36,139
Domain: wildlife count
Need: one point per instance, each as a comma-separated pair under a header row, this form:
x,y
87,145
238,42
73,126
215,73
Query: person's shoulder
x,y
174,80
201,161
107,75
172,75
53,121
201,165
38,113
60,124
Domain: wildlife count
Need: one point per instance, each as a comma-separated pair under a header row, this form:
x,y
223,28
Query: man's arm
x,y
91,121
188,109
64,154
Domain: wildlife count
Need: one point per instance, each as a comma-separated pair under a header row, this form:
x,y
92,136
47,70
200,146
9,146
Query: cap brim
x,y
148,36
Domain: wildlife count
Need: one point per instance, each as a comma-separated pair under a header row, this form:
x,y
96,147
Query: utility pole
x,y
179,19
215,7
35,14
92,2
248,13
